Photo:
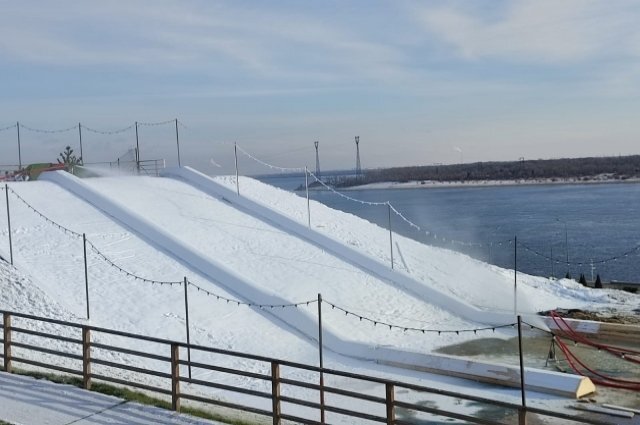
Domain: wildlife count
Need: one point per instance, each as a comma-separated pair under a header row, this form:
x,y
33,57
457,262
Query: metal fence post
x,y
522,412
86,272
178,144
7,342
175,377
86,358
275,392
390,235
6,192
391,410
306,185
137,150
515,275
186,311
321,358
19,148
235,154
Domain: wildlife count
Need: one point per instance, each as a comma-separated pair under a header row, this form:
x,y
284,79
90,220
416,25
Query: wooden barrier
x,y
387,400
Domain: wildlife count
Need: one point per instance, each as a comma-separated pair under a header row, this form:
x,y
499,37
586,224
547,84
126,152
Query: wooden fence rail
x,y
385,408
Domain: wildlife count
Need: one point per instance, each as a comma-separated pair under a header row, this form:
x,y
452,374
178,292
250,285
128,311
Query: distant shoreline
x,y
432,184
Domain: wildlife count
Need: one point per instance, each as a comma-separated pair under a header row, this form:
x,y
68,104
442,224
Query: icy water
x,y
597,221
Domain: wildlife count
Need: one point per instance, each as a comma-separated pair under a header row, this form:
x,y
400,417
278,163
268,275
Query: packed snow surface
x,y
269,262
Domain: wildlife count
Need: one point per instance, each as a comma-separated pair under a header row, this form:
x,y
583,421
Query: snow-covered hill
x,y
268,262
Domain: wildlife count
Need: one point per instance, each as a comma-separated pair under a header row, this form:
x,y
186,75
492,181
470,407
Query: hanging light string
x,y
271,166
376,322
219,297
93,247
581,263
128,273
9,127
108,132
153,124
40,130
243,303
44,217
413,225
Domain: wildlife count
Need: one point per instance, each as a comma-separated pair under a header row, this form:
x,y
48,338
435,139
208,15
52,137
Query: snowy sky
x,y
419,81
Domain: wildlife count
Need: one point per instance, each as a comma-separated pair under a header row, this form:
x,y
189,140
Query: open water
x,y
595,226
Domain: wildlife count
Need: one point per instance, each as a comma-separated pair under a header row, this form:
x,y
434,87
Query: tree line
x,y
610,168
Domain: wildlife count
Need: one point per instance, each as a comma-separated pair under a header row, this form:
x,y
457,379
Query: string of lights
x,y
128,273
413,225
239,303
109,132
219,297
93,130
414,329
581,263
342,195
9,127
40,130
93,247
154,124
44,217
271,166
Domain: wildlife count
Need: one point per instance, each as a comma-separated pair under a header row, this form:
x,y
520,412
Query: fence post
x,y
235,154
19,148
186,311
175,377
86,272
390,235
80,135
515,275
6,192
275,392
522,412
137,150
7,341
86,358
321,358
306,185
391,410
178,143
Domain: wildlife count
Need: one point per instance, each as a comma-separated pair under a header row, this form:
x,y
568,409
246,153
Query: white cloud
x,y
201,37
539,30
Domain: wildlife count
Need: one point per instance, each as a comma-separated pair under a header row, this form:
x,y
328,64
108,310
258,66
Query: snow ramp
x,y
300,321
358,259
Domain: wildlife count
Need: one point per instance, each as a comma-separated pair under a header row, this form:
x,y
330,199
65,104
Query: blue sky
x,y
419,81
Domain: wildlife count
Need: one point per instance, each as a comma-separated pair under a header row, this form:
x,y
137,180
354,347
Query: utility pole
x,y
358,168
316,143
80,134
137,150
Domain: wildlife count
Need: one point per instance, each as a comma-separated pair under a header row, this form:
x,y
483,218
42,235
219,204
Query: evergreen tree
x,y
583,279
567,276
598,283
69,159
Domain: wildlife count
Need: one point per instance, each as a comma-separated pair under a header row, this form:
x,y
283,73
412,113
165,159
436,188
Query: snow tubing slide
x,y
537,380
336,248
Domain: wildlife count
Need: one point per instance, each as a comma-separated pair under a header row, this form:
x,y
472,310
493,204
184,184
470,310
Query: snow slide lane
x,y
362,261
